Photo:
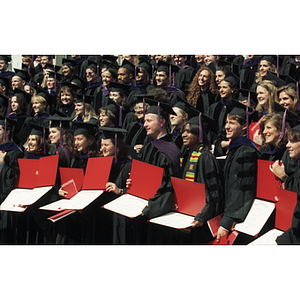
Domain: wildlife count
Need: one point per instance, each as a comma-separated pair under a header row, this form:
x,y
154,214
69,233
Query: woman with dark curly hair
x,y
202,90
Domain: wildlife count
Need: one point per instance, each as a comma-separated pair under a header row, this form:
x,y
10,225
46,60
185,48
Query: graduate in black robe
x,y
185,74
19,106
9,155
218,111
240,172
292,183
163,153
198,164
71,229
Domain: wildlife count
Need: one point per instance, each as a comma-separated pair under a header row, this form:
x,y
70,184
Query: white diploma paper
x,y
127,205
268,238
174,220
78,202
25,197
256,218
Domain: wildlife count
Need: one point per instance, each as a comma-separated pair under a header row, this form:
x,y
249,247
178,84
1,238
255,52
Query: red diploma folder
x,y
97,173
37,172
285,207
267,182
146,179
28,173
48,167
188,195
72,180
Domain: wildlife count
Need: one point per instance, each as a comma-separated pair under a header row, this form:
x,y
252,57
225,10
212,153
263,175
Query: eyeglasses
x,y
89,73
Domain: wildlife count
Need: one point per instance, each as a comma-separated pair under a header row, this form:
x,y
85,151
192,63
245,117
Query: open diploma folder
x,y
146,180
190,199
37,177
94,184
283,217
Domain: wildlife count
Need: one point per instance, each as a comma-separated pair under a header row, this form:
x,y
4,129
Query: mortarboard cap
x,y
31,129
240,109
271,59
71,63
159,108
119,87
54,111
85,128
47,96
55,75
22,74
7,123
128,65
163,66
10,123
208,123
56,119
291,117
4,81
77,80
72,86
17,92
6,58
232,79
111,58
186,107
144,63
244,94
278,82
52,67
32,83
80,97
110,132
223,63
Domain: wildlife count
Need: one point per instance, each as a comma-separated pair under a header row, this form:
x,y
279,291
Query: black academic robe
x,y
207,171
174,94
93,89
248,72
184,77
292,235
9,169
136,231
8,175
273,153
67,110
240,173
219,112
136,134
19,125
204,101
292,68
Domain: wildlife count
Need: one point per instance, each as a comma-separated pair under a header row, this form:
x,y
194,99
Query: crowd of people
x,y
178,112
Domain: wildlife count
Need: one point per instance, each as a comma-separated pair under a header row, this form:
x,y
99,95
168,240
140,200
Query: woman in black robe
x,y
292,183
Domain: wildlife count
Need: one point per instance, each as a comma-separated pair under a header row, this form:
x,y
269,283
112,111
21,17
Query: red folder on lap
x,y
144,188
267,182
188,195
146,180
47,170
28,173
285,207
97,173
190,199
283,217
72,180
